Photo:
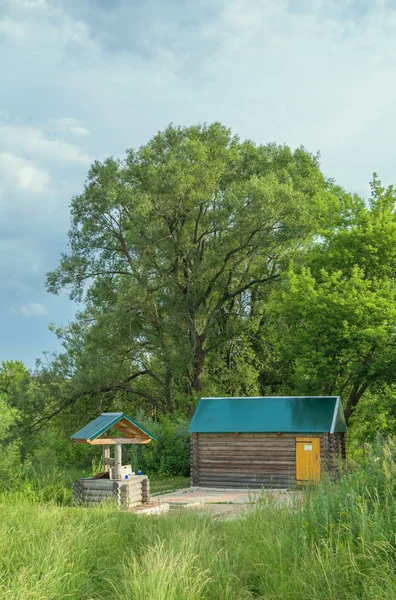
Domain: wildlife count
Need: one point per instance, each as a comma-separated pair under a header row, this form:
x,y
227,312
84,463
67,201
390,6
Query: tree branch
x,y
123,387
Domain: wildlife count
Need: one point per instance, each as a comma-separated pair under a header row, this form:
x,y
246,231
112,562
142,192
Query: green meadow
x,y
337,542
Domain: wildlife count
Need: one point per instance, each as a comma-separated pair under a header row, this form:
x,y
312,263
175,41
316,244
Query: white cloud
x,y
314,77
31,3
33,142
68,125
12,29
21,173
30,310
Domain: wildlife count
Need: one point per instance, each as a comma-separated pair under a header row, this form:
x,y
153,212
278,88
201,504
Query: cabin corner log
x,y
145,490
194,459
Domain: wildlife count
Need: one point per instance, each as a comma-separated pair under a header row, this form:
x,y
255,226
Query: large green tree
x,y
169,249
334,319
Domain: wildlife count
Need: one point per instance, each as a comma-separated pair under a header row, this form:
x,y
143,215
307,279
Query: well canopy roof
x,y
103,423
270,414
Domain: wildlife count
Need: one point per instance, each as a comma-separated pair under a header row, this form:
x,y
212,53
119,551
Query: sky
x,y
85,79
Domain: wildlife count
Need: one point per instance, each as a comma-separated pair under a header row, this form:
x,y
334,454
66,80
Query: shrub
x,y
10,456
170,455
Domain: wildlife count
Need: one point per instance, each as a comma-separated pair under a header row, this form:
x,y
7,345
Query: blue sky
x,y
85,79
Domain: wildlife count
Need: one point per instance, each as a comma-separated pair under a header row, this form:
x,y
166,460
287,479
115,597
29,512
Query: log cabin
x,y
271,442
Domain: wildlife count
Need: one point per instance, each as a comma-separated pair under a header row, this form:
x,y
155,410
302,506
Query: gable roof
x,y
269,414
107,420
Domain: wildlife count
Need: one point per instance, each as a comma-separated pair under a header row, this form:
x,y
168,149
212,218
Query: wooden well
x,y
116,483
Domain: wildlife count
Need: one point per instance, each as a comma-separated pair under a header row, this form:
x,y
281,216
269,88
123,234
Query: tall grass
x,y
338,542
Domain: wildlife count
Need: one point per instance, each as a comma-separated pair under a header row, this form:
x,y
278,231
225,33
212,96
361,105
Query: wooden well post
x,y
118,461
106,458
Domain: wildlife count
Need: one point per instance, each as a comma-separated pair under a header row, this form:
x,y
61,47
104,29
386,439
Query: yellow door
x,y
307,459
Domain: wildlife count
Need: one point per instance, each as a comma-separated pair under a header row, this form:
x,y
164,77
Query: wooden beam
x,y
118,461
106,457
114,441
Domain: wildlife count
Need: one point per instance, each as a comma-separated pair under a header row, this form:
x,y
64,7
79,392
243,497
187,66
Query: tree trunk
x,y
353,399
198,364
170,404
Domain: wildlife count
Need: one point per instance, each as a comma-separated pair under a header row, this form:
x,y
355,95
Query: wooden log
x,y
118,462
247,436
235,468
226,477
115,441
97,485
268,482
230,452
127,499
252,485
132,488
248,443
131,482
99,492
275,443
130,492
99,500
247,448
106,456
242,466
146,490
266,478
194,458
248,459
246,468
133,498
275,468
263,439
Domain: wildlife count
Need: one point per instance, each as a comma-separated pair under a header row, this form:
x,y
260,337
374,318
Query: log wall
x,y
126,493
254,460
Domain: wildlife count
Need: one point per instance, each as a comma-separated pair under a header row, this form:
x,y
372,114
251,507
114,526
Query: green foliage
x,y
54,449
12,374
211,266
337,331
337,541
170,455
375,415
332,323
10,455
167,248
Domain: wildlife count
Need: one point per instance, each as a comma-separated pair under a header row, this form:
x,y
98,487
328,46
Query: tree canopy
x,y
204,264
335,316
170,249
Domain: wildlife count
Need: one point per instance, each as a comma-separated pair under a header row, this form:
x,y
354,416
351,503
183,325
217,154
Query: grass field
x,y
338,545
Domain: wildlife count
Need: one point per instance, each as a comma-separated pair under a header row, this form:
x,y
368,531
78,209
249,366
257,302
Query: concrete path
x,y
222,503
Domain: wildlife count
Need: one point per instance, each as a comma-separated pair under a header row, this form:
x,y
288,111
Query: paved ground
x,y
222,503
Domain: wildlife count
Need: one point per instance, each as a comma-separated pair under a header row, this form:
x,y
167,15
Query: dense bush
x,y
10,455
169,456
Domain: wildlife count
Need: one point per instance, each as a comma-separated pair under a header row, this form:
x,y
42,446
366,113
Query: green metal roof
x,y
104,422
286,414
